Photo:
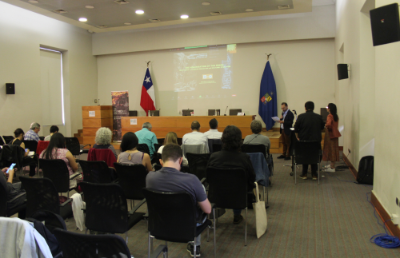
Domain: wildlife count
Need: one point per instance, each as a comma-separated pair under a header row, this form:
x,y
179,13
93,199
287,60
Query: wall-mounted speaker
x,y
10,88
342,71
385,24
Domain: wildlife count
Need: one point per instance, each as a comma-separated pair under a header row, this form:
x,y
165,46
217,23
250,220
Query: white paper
x,y
276,119
134,121
92,113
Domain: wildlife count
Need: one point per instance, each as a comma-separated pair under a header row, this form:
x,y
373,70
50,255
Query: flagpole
x,y
268,56
148,64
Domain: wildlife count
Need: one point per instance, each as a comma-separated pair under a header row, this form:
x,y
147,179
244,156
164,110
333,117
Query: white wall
x,y
21,34
303,70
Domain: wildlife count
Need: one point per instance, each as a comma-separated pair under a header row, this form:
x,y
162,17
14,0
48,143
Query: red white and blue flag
x,y
148,100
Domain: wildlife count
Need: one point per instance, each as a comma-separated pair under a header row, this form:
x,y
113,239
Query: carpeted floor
x,y
332,219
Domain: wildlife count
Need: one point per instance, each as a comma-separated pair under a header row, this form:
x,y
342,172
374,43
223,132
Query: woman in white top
x,y
171,137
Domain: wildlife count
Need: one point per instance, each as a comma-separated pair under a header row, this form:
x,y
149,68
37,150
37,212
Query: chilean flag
x,y
148,101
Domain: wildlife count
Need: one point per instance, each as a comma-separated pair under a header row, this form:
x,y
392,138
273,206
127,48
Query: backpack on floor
x,y
366,170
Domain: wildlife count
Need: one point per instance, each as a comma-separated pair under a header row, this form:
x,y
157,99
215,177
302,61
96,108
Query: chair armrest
x,y
66,202
74,175
137,207
203,180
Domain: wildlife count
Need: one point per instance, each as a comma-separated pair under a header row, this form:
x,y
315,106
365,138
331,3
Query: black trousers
x,y
31,162
314,169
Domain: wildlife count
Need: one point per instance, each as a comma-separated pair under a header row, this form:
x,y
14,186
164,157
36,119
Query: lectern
x,y
94,117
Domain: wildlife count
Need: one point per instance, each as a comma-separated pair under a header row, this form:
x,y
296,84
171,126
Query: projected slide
x,y
202,67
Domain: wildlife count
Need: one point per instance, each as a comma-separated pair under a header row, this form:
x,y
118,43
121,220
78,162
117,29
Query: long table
x,y
181,124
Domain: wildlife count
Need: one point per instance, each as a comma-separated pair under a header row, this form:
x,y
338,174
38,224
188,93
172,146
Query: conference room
x,y
117,65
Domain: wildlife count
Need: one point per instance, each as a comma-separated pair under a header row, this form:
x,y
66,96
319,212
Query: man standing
x,y
213,132
32,134
286,123
308,129
146,136
195,137
170,179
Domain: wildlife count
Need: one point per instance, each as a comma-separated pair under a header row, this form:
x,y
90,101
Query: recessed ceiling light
x,y
83,19
60,11
139,12
121,2
249,10
154,20
205,3
215,13
184,16
128,23
33,1
89,6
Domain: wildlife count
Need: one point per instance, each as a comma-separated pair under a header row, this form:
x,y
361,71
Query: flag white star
x,y
147,79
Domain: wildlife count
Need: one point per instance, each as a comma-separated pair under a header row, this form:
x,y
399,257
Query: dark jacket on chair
x,y
287,122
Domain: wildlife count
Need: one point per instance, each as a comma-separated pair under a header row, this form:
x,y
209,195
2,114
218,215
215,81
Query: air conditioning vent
x,y
60,11
215,13
121,2
283,7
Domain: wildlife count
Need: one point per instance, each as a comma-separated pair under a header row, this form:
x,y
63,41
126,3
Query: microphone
x,y
226,110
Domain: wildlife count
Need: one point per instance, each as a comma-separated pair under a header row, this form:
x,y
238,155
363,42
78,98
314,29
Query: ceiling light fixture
x,y
59,11
121,2
139,12
154,20
215,13
83,19
127,23
205,3
89,6
249,10
184,16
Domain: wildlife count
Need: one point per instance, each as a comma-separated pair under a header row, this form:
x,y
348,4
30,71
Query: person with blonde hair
x,y
103,140
171,137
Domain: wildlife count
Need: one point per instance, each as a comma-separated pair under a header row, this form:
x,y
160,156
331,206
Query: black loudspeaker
x,y
385,24
342,71
10,88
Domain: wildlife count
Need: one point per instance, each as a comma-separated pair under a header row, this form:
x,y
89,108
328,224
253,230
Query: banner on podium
x,y
120,104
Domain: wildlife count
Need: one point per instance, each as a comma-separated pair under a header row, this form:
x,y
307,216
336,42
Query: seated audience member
x,y
171,137
256,137
130,155
146,136
15,195
58,150
103,140
170,179
32,134
195,137
231,157
53,130
31,161
213,132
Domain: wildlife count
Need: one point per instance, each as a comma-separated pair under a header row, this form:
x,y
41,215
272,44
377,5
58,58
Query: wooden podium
x,y
94,117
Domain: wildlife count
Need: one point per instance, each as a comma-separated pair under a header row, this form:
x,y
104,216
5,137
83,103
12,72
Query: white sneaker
x,y
327,166
332,170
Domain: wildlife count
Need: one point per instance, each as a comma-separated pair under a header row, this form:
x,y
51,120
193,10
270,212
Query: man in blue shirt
x,y
146,136
32,134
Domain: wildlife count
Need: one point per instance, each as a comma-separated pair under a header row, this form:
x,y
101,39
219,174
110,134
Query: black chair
x,y
158,165
96,172
173,218
8,139
51,220
217,147
211,143
155,157
2,141
306,153
228,190
41,138
106,209
156,147
57,171
41,194
12,154
31,145
143,148
73,145
198,164
20,209
75,245
252,148
132,179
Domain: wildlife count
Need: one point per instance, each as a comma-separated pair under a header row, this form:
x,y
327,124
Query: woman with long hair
x,y
129,153
331,142
172,137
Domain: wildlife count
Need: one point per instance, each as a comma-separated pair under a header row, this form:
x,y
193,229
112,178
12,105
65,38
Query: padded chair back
x,y
73,145
11,154
211,143
95,172
42,145
198,164
41,194
217,147
41,138
194,148
57,171
8,139
132,179
106,208
307,152
143,148
252,148
172,215
227,187
2,141
76,245
3,198
51,220
156,147
31,145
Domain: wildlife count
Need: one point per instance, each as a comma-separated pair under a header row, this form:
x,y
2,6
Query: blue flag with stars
x,y
268,106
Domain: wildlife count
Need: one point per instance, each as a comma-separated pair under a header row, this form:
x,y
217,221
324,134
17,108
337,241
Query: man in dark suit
x,y
286,123
308,129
